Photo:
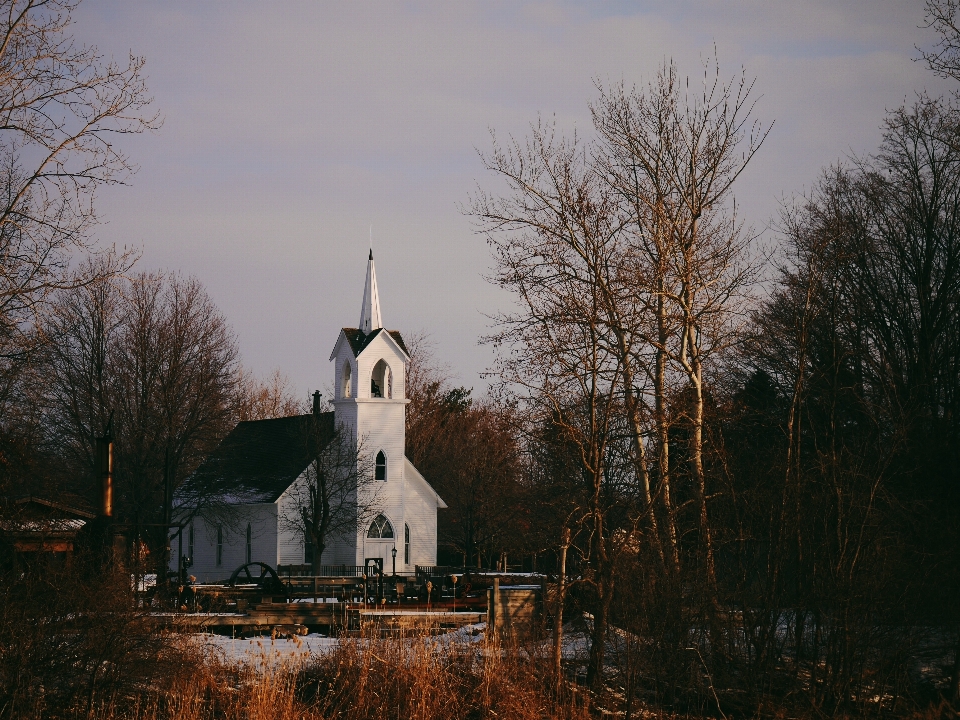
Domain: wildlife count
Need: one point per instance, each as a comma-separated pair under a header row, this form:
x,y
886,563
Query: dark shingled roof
x,y
63,505
359,340
259,459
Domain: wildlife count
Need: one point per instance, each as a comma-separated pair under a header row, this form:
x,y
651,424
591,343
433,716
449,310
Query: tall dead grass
x,y
421,677
431,679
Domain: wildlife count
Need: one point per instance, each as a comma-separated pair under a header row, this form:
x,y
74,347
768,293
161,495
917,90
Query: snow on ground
x,y
275,653
463,635
266,651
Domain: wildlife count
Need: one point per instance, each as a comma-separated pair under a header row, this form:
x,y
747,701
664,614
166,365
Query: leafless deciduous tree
x,y
338,493
62,107
265,399
630,269
554,240
672,157
944,17
154,353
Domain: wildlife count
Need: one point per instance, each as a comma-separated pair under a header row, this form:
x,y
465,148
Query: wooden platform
x,y
425,620
329,617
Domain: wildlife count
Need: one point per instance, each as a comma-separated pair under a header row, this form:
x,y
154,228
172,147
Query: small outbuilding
x,y
41,529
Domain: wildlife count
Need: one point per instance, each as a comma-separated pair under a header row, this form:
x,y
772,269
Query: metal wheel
x,y
261,575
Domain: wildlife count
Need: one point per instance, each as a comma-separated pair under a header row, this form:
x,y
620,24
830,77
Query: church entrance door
x,y
380,551
380,542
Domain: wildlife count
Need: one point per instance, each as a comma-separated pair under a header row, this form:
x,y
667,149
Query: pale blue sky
x,y
291,127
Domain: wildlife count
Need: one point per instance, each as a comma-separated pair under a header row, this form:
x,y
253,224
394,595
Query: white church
x,y
261,468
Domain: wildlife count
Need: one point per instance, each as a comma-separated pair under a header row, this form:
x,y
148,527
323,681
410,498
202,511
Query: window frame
x,y
380,528
309,550
346,380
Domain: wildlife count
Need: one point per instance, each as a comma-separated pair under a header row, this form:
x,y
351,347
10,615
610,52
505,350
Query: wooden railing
x,y
324,571
437,570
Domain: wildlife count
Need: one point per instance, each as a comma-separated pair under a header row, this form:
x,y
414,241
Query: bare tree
x,y
80,364
672,157
338,492
265,399
61,108
154,353
944,17
554,241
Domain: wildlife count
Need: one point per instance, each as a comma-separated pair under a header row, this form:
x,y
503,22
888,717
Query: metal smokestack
x,y
105,471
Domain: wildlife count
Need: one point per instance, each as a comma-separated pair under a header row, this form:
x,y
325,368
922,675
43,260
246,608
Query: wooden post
x,y
558,613
495,621
314,588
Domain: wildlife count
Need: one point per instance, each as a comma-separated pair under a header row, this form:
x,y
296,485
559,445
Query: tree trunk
x,y
601,619
663,431
639,451
955,675
696,451
558,612
692,365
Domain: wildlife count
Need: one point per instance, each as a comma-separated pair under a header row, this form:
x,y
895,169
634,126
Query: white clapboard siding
x,y
261,518
375,425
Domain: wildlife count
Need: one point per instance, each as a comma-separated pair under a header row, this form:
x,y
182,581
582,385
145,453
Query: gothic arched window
x,y
380,472
345,388
381,380
380,528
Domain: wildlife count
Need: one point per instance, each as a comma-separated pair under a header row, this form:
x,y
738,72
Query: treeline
x,y
748,457
89,346
146,358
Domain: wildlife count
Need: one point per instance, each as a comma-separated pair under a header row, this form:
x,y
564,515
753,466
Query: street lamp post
x,y
394,554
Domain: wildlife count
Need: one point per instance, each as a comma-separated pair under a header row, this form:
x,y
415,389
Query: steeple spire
x,y
370,312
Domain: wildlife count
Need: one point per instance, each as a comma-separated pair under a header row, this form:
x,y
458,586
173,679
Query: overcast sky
x,y
292,127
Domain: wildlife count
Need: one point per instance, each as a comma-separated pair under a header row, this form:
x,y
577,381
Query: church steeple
x,y
370,312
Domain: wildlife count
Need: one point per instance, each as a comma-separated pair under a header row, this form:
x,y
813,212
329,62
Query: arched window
x,y
380,529
345,383
406,544
381,380
249,543
380,472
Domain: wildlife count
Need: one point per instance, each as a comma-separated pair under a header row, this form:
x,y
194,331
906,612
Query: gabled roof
x,y
414,475
359,340
259,460
34,515
56,508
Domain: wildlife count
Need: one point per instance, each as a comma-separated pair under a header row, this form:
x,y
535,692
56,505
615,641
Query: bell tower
x,y
370,368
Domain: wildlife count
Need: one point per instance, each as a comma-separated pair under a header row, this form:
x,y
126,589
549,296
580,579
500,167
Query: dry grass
x,y
421,678
71,648
425,678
